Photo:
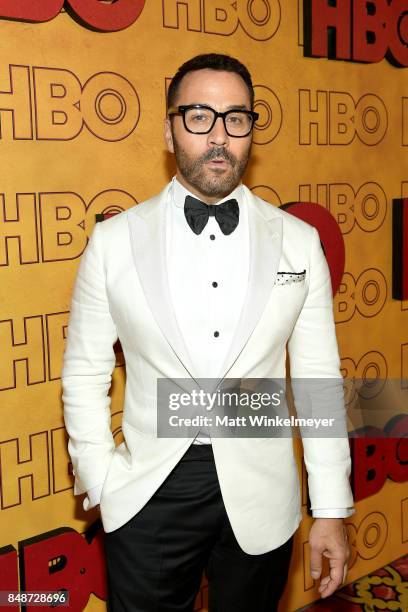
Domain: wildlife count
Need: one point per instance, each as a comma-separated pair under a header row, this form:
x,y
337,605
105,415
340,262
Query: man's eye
x,y
236,119
199,117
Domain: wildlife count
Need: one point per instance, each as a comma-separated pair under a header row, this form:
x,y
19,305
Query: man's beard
x,y
214,183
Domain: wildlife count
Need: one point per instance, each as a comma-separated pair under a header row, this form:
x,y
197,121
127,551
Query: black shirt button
x,y
216,334
212,236
215,284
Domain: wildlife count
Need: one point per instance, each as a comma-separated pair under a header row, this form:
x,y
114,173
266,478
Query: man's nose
x,y
218,135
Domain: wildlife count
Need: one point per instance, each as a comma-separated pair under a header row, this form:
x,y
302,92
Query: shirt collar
x,y
180,193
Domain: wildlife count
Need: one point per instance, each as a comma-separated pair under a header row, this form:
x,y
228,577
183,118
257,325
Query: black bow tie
x,y
197,213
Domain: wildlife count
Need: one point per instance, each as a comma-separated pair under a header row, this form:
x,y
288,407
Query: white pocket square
x,y
287,278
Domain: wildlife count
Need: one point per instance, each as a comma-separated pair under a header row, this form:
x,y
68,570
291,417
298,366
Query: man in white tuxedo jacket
x,y
204,280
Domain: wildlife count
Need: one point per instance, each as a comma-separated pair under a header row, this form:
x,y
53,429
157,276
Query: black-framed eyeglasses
x,y
200,119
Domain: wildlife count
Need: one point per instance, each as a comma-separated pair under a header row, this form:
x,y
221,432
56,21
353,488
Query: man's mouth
x,y
218,162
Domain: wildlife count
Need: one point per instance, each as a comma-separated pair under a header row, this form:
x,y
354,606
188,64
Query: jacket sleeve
x,y
88,363
317,386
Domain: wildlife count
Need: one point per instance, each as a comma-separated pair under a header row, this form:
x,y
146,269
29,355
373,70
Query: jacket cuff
x,y
93,497
332,512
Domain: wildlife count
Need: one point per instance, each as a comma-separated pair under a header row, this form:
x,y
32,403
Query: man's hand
x,y
328,537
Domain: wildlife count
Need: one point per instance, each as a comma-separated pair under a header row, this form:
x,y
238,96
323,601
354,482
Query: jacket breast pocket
x,y
290,279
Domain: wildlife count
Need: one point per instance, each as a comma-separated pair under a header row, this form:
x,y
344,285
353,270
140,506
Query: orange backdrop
x,y
81,115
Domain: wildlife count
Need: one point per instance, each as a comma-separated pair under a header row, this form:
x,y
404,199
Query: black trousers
x,y
156,560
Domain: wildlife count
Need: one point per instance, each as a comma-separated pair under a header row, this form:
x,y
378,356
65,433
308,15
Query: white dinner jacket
x,y
121,291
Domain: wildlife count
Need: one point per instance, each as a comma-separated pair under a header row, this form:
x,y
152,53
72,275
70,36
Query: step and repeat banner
x,y
82,103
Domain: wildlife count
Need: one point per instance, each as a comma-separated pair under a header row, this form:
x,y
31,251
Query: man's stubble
x,y
211,183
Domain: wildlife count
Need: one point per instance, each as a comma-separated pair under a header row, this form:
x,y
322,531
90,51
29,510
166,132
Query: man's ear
x,y
168,136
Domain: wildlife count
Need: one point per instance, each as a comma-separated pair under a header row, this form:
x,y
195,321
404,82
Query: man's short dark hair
x,y
213,61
